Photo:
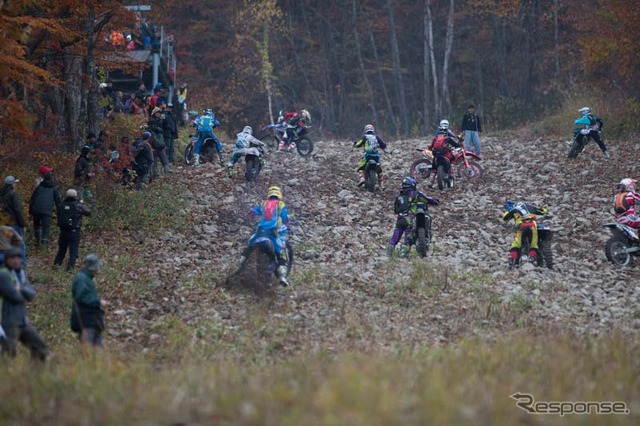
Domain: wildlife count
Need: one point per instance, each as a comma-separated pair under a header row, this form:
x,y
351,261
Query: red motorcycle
x,y
463,162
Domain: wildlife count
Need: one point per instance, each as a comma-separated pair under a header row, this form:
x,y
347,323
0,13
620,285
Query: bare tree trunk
x,y
397,69
382,84
90,74
447,56
356,37
434,72
556,44
425,70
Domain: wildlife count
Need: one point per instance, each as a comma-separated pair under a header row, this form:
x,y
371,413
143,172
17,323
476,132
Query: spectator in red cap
x,y
41,172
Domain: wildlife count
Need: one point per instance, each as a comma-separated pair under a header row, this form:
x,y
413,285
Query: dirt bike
x,y
254,161
273,134
580,140
207,151
623,244
545,252
464,162
371,170
259,271
421,235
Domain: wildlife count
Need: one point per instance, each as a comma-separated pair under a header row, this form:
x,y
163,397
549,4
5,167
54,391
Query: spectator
x,y
16,290
9,238
87,316
170,132
70,222
42,201
141,93
91,141
156,125
102,142
131,44
11,211
472,129
119,102
130,106
82,173
41,172
117,39
143,159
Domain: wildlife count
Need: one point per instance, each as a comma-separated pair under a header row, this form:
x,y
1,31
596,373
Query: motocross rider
x,y
244,141
295,125
440,146
524,215
273,220
371,142
593,124
405,206
625,201
205,124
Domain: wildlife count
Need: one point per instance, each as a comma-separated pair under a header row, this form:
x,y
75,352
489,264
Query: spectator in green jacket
x,y
15,291
87,316
11,212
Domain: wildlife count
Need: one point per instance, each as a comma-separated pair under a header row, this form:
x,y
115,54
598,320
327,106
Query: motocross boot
x,y
390,249
380,181
291,147
38,236
282,275
361,178
404,251
221,158
196,159
241,262
229,170
606,154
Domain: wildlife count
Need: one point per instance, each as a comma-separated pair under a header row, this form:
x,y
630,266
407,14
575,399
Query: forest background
x,y
399,65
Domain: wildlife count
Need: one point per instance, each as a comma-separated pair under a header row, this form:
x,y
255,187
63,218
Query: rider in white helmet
x,y
371,143
244,142
593,124
624,203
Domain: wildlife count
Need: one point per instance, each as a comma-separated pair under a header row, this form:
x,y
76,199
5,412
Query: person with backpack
x,y
142,160
70,222
205,124
11,212
590,126
525,217
273,225
15,291
472,127
87,316
41,204
405,207
371,143
158,142
440,147
625,203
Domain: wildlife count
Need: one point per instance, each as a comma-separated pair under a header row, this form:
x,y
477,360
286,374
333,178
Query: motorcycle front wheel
x,y
474,171
188,155
576,147
371,177
272,142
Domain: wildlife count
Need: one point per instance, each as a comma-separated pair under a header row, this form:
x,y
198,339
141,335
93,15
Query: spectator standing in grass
x,y
170,132
87,316
70,222
41,204
15,291
9,239
11,212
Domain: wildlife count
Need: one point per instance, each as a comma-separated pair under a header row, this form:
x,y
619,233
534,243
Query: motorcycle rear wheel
x,y
615,248
252,169
440,174
304,145
420,169
371,178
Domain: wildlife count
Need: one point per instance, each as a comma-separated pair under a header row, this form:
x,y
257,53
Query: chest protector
x,y
206,124
440,145
621,202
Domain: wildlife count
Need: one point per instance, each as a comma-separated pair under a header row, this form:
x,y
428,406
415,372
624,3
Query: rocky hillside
x,y
348,295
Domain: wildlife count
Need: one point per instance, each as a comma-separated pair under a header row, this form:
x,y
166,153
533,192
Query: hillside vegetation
x,y
359,338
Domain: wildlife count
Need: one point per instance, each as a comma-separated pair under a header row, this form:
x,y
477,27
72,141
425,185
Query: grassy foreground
x,y
468,383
